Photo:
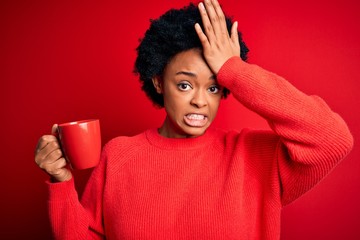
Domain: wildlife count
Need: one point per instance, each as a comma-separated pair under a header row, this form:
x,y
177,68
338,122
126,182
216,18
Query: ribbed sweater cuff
x,y
62,191
228,70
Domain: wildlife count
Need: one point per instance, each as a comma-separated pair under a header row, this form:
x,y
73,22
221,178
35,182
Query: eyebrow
x,y
190,74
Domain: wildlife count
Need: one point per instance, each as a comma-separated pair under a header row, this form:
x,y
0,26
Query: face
x,y
191,95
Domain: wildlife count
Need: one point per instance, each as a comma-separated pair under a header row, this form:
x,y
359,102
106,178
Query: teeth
x,y
196,116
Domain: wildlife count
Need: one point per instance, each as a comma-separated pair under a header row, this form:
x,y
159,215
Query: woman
x,y
187,180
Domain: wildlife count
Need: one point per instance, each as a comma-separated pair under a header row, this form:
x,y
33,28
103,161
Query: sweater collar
x,y
160,141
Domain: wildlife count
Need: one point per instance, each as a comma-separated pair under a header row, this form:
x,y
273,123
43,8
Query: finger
x,y
208,28
235,33
59,170
220,15
54,156
50,152
213,17
44,141
54,129
217,19
57,167
202,37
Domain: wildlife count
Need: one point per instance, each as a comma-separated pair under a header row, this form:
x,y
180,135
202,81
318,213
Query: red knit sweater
x,y
222,185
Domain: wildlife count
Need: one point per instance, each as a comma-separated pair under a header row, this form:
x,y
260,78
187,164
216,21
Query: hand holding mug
x,y
49,157
75,143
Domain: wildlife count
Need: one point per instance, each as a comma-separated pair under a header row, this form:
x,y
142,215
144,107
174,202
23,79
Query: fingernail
x,y
201,5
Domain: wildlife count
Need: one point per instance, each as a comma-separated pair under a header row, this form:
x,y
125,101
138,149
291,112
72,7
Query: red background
x,y
71,60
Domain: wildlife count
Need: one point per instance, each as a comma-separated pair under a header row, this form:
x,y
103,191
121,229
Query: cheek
x,y
174,103
214,107
215,103
174,98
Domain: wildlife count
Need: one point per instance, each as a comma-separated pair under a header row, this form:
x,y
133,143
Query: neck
x,y
170,130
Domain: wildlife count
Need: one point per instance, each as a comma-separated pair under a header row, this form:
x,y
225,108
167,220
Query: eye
x,y
184,86
214,89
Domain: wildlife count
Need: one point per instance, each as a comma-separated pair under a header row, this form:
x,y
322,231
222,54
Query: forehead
x,y
191,61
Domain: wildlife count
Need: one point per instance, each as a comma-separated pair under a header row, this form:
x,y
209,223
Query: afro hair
x,y
170,34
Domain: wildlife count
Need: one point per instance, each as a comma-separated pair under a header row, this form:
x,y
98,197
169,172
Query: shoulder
x,y
247,134
119,150
122,144
248,138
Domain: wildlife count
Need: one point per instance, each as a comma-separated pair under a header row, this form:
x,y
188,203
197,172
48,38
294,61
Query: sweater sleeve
x,y
313,139
72,219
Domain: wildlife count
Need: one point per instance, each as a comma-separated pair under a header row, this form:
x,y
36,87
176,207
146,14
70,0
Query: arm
x,y
72,219
313,139
69,218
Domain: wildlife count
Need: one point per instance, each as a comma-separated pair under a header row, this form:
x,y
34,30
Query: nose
x,y
199,99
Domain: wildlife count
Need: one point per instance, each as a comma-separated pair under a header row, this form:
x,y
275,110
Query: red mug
x,y
81,143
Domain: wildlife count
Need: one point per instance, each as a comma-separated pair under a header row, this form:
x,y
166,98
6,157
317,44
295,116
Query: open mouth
x,y
195,120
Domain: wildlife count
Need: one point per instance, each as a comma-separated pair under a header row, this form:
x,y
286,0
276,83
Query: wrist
x,y
231,68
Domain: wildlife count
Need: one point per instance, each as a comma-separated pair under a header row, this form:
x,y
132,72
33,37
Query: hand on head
x,y
218,45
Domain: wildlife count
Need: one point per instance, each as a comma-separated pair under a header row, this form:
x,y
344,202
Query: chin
x,y
195,132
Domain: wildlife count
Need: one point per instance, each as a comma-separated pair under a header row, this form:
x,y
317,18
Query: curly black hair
x,y
170,34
